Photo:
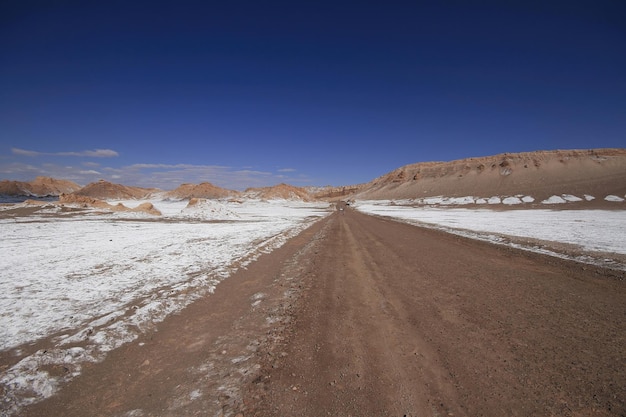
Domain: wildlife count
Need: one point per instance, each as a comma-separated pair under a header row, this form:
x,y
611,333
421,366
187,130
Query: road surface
x,y
405,321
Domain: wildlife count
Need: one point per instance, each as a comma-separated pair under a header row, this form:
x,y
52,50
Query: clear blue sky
x,y
249,93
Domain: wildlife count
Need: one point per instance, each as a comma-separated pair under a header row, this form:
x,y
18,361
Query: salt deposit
x,y
591,230
100,279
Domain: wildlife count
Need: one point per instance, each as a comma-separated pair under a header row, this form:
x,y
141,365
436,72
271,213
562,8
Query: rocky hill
x,y
280,191
39,187
596,172
203,190
104,190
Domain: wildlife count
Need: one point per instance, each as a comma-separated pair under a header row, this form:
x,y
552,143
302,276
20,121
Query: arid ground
x,y
363,316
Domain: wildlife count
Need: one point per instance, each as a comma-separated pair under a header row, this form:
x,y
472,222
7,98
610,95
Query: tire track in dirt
x,y
393,347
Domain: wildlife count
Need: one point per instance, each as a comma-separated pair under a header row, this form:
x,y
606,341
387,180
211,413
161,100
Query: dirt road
x,y
403,321
361,316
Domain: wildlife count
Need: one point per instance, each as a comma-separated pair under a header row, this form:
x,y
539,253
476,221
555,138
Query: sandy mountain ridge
x,y
39,187
541,174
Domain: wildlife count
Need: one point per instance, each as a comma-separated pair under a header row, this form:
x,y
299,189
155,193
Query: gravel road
x,y
403,321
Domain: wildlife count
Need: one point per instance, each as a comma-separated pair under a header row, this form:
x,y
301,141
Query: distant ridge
x,y
203,190
334,193
39,187
540,174
280,191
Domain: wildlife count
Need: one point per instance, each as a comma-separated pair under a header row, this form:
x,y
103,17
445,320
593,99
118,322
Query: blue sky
x,y
255,93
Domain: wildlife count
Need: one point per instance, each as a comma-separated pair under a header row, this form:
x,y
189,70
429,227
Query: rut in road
x,y
400,320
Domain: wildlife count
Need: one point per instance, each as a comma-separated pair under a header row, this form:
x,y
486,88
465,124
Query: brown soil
x,y
364,316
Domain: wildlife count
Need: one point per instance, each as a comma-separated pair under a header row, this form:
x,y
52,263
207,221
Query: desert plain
x,y
486,286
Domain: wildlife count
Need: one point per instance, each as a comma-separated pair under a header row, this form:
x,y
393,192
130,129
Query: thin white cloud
x,y
24,152
174,166
287,170
94,153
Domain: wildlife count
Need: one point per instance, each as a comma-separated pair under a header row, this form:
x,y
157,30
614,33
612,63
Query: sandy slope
x,y
598,172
